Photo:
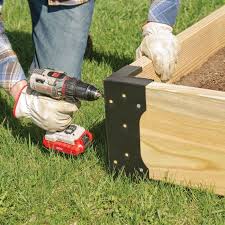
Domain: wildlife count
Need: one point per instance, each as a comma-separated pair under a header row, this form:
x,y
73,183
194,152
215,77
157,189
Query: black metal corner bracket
x,y
125,102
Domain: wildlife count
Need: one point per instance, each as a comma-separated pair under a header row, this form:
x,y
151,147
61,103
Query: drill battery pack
x,y
73,140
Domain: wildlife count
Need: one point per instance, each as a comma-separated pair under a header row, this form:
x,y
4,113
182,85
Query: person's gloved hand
x,y
47,113
161,46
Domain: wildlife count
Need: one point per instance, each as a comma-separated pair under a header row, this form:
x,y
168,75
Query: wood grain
x,y
148,69
199,42
182,135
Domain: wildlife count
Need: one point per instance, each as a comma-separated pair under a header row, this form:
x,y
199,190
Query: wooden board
x,y
183,135
198,43
148,69
182,131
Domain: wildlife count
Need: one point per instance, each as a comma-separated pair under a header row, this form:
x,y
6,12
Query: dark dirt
x,y
211,75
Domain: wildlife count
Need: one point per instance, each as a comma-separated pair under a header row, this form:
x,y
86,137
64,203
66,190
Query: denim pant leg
x,y
60,35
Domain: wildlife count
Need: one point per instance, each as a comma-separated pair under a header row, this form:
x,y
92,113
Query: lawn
x,y
40,187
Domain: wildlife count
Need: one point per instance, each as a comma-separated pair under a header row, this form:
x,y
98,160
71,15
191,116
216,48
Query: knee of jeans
x,y
71,66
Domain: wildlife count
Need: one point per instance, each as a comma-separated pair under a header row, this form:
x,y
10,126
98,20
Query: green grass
x,y
38,187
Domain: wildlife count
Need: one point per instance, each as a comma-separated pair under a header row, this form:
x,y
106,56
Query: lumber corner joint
x,y
124,104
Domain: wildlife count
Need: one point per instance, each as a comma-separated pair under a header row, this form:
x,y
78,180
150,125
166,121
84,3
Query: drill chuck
x,y
74,88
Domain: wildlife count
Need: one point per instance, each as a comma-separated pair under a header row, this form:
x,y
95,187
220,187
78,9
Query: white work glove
x,y
47,113
161,46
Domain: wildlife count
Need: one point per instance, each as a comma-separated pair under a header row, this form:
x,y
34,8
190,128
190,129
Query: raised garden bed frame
x,y
165,131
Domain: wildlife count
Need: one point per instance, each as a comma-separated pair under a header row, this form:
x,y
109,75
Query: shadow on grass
x,y
23,46
99,143
115,61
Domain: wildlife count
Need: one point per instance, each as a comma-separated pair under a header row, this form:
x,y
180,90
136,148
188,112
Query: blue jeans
x,y
60,35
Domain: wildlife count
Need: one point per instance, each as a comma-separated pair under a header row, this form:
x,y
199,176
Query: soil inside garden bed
x,y
211,75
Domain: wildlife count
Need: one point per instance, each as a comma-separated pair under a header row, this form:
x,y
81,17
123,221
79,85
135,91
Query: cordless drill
x,y
58,85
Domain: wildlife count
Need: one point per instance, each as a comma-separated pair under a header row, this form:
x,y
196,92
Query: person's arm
x,y
12,77
159,44
164,11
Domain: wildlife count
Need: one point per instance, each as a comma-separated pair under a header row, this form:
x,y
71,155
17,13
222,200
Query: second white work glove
x,y
47,113
161,46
